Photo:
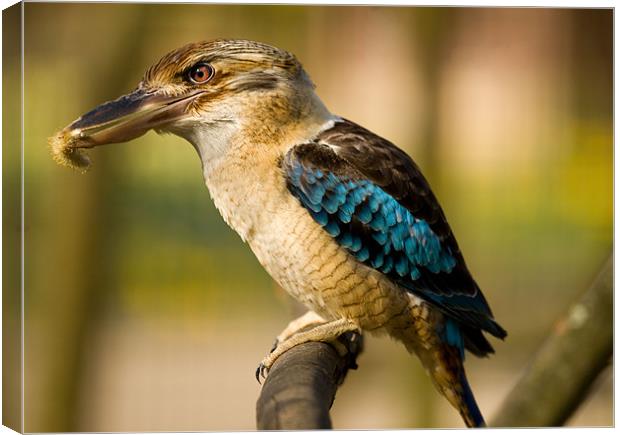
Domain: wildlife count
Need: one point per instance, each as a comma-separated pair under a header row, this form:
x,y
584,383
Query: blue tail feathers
x,y
475,418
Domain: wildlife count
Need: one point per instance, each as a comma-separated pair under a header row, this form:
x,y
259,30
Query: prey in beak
x,y
199,91
121,120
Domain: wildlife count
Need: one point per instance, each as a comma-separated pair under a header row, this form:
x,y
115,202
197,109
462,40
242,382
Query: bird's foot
x,y
326,332
265,365
309,319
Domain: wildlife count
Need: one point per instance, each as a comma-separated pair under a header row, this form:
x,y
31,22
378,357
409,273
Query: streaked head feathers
x,y
231,59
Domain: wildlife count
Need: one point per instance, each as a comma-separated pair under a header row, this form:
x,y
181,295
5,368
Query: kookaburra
x,y
341,218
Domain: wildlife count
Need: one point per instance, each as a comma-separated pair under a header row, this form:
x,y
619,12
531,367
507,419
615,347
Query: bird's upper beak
x,y
121,120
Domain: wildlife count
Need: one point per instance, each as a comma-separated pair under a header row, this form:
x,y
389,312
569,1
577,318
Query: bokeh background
x,y
145,312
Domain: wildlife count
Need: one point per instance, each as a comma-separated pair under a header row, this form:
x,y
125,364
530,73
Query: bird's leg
x,y
326,332
299,324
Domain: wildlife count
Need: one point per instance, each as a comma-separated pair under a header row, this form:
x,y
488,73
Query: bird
x,y
341,218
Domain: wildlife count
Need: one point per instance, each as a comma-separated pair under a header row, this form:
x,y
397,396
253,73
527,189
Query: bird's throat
x,y
242,173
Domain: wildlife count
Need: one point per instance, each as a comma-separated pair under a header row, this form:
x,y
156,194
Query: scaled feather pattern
x,y
370,197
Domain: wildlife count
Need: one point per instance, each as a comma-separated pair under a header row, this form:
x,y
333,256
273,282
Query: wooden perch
x,y
302,384
559,376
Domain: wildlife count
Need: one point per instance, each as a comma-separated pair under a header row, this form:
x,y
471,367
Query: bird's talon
x,y
261,372
258,373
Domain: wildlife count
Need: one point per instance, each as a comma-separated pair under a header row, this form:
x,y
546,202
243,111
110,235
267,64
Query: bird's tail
x,y
448,374
441,355
470,411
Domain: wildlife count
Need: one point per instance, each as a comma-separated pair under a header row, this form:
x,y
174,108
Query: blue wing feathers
x,y
320,216
387,265
386,235
335,200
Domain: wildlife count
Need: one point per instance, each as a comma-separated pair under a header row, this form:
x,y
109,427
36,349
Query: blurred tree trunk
x,y
592,55
11,219
433,29
84,246
432,32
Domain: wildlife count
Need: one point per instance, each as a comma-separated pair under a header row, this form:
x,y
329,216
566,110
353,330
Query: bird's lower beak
x,y
121,120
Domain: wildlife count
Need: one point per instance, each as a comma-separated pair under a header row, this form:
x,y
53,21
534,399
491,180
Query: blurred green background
x,y
145,312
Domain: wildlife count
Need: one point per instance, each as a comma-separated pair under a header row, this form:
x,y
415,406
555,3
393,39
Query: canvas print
x,y
241,217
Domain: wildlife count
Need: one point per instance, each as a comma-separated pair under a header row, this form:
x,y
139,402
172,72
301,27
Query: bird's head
x,y
204,92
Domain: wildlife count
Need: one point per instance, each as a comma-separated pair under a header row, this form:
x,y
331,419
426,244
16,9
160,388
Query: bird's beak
x,y
121,120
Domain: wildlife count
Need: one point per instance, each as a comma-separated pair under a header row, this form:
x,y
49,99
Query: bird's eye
x,y
200,73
